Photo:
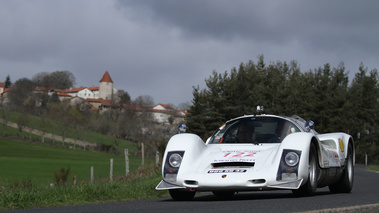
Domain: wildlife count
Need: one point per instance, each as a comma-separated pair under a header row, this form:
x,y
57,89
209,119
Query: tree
x,y
59,111
363,103
22,121
4,116
7,83
144,100
184,106
124,97
62,79
42,79
54,98
21,90
56,80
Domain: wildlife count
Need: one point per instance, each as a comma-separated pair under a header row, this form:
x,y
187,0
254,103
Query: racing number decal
x,y
240,154
341,144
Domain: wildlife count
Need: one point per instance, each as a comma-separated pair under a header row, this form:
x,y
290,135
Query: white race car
x,y
258,152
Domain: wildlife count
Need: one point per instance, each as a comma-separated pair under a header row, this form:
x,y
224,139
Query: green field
x,y
22,161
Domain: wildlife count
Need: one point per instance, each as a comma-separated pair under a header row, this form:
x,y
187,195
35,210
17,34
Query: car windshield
x,y
254,130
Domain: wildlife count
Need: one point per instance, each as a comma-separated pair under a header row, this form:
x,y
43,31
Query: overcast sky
x,y
163,48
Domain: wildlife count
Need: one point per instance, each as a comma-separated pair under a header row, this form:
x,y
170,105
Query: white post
x,y
126,162
157,157
143,154
366,159
111,171
91,174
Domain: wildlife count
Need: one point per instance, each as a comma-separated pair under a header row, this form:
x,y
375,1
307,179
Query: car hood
x,y
242,156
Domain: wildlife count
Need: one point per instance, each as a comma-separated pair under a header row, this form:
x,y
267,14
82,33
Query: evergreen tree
x,y
7,83
322,95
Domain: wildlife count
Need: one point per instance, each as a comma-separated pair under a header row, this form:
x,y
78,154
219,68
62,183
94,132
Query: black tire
x,y
309,188
224,195
345,183
181,194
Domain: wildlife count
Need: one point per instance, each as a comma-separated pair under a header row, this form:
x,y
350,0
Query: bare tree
x,y
42,79
4,117
22,120
20,91
144,100
62,79
184,106
56,80
59,111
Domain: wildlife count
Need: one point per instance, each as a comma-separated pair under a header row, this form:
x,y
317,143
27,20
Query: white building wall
x,y
106,90
85,93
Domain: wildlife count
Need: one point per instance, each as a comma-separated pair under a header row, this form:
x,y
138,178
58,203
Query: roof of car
x,y
294,119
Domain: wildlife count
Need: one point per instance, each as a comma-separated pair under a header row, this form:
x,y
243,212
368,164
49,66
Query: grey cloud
x,y
163,48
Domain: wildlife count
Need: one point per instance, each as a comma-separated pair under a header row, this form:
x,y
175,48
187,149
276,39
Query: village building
x,y
164,113
102,98
3,94
2,85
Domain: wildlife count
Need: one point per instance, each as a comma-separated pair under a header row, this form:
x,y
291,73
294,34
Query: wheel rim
x,y
349,167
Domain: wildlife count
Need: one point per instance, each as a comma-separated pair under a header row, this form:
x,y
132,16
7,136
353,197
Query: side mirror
x,y
182,128
309,125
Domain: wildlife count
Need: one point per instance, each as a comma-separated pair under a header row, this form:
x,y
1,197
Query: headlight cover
x,y
291,159
172,165
175,160
289,165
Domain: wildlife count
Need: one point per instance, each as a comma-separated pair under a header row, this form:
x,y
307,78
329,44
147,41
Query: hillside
x,y
25,163
27,158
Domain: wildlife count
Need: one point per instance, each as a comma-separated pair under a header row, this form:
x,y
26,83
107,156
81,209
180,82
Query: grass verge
x,y
373,167
140,185
20,162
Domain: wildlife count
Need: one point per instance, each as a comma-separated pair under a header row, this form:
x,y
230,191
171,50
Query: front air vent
x,y
191,182
233,164
258,181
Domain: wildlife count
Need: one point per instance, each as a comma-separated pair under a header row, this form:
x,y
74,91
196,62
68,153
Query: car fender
x,y
302,141
341,142
191,144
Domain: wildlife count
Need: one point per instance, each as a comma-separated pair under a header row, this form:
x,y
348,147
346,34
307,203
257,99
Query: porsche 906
x,y
258,152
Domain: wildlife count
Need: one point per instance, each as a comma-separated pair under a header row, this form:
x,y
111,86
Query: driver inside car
x,y
245,132
283,129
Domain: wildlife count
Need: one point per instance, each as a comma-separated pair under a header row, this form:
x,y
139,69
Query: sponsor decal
x,y
236,156
341,144
213,171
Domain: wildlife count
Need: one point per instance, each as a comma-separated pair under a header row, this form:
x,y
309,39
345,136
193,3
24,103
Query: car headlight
x,y
291,159
175,160
171,166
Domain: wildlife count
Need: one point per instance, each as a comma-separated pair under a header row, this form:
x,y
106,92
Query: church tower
x,y
106,87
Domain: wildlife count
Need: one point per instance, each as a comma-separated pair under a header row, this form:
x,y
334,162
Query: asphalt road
x,y
365,195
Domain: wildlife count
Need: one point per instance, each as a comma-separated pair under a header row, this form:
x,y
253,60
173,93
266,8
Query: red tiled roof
x,y
102,101
2,84
93,88
132,106
106,77
41,89
64,94
94,100
166,106
58,90
74,89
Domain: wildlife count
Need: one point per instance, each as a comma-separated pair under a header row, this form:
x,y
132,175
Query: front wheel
x,y
345,183
181,194
309,188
